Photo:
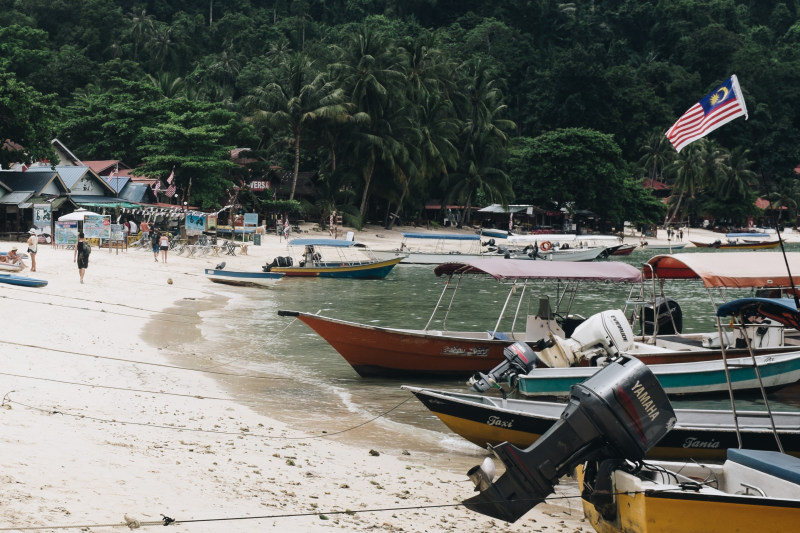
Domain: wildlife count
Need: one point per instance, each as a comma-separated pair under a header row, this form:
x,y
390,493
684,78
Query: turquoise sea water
x,y
306,383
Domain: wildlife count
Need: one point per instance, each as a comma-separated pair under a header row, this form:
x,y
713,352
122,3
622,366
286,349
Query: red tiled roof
x,y
655,185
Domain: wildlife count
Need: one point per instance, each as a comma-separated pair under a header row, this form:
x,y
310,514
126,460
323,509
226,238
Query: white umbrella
x,y
78,214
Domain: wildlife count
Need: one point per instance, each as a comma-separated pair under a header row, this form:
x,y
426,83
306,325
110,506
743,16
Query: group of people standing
x,y
160,243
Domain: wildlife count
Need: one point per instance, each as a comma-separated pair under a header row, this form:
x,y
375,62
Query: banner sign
x,y
211,222
97,227
195,223
259,185
117,232
42,216
66,232
250,220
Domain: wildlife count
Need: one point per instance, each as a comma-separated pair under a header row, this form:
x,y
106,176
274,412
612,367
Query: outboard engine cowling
x,y
603,335
669,317
520,359
620,412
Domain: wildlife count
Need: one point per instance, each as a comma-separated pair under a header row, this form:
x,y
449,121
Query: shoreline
x,y
102,419
99,423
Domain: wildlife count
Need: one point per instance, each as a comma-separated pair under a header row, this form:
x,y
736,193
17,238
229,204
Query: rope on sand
x,y
325,434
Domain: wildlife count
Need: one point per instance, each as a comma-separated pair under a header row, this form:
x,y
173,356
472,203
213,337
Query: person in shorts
x,y
81,255
154,238
33,244
163,244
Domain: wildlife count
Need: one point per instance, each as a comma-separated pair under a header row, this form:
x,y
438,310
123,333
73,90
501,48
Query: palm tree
x,y
688,171
483,138
161,46
169,84
658,153
367,72
736,177
300,95
477,172
141,27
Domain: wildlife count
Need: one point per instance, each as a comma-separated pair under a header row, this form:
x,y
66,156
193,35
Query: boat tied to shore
x,y
331,258
430,352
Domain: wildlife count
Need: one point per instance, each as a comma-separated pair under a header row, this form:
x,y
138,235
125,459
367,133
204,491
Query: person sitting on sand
x,y
13,258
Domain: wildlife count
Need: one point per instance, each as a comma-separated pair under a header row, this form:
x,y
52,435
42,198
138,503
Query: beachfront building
x,y
27,197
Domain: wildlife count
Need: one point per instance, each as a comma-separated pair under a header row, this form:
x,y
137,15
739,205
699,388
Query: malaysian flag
x,y
717,108
157,186
171,177
171,190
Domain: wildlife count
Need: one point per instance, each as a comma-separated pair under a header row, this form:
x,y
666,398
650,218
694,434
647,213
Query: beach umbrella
x,y
78,215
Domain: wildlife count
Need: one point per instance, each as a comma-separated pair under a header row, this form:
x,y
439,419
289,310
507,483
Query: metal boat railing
x,y
768,413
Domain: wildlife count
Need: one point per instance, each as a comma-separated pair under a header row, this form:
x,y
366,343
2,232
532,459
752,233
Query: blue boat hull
x,y
23,281
232,277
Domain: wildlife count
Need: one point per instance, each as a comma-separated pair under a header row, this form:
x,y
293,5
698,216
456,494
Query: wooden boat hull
x,y
5,267
22,281
623,249
698,434
662,505
368,270
768,245
680,246
244,279
706,377
390,352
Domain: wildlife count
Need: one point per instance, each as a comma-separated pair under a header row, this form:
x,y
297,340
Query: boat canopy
x,y
442,236
336,243
729,269
564,237
784,310
745,235
501,269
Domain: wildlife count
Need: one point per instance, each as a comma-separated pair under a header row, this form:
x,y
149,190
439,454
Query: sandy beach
x,y
106,419
112,413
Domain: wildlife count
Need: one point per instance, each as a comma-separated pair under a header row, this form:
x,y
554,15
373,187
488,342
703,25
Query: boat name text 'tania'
x,y
692,442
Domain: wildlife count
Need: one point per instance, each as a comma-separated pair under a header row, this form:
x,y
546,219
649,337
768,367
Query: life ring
x,y
545,246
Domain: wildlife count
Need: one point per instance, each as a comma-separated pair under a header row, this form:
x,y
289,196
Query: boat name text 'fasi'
x,y
692,442
648,404
497,421
620,328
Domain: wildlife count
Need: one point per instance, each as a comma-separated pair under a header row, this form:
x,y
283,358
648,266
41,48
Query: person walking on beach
x,y
81,255
154,238
33,243
145,229
163,243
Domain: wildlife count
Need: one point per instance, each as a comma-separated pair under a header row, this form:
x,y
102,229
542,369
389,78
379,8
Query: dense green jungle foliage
x,y
396,103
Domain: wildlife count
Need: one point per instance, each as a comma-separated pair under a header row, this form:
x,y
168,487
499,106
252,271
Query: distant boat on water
x,y
749,241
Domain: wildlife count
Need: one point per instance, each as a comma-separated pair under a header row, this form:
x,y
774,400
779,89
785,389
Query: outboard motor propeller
x,y
620,412
520,359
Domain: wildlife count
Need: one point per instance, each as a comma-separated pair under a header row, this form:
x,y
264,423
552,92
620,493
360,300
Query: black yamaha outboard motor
x,y
520,359
668,314
620,412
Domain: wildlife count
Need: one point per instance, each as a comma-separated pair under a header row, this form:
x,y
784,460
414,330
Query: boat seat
x,y
776,464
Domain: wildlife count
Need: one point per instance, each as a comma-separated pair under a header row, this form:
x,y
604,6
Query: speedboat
x,y
332,258
392,351
241,278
